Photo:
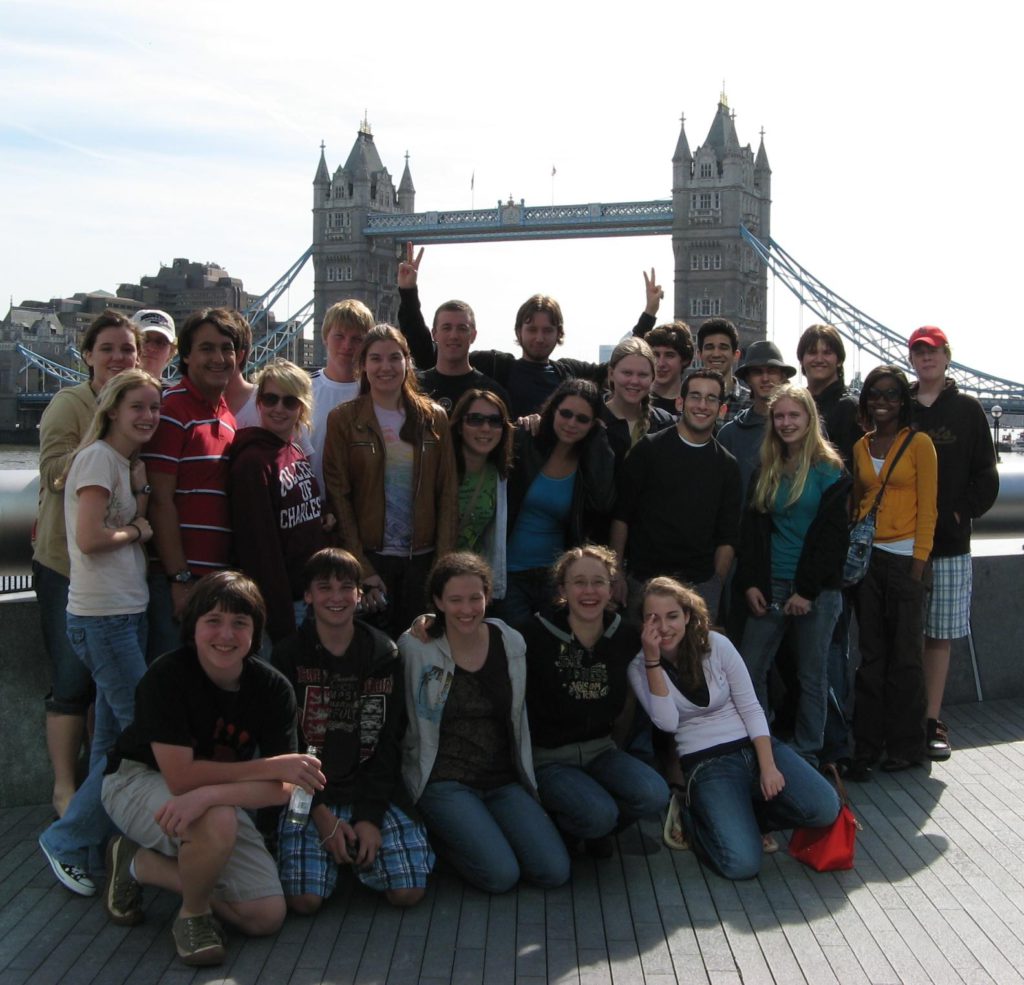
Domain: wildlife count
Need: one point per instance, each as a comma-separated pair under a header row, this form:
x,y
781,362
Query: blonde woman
x,y
792,549
276,506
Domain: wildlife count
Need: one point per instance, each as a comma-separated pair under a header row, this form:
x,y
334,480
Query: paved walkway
x,y
937,896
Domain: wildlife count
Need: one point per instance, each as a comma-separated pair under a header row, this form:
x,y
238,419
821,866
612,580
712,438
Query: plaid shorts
x,y
949,609
404,861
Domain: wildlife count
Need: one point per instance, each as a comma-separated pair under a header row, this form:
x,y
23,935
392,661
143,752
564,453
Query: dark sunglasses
x,y
890,394
568,415
270,400
479,420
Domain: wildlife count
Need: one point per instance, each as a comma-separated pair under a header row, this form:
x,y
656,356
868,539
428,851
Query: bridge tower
x,y
347,264
715,190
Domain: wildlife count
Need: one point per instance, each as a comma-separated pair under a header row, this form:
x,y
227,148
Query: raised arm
x,y
410,314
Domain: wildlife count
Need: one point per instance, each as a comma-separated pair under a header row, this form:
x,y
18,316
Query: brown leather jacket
x,y
354,479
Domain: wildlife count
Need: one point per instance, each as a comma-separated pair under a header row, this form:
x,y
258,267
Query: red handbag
x,y
830,848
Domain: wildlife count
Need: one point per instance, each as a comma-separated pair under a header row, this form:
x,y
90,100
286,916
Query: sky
x,y
134,133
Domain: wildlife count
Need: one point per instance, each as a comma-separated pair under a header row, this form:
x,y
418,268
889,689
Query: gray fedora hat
x,y
764,353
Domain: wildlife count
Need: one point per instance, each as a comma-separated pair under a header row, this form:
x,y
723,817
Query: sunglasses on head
x,y
270,400
890,394
475,420
568,415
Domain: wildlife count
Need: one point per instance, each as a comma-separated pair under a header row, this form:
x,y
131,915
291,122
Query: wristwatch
x,y
182,577
144,491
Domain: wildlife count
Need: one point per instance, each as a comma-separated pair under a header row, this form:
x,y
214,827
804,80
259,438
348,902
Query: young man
x,y
187,471
529,379
762,372
240,394
158,340
347,679
821,355
345,326
678,509
718,343
182,775
968,487
673,354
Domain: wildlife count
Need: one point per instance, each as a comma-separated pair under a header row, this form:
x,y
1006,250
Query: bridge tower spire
x,y
716,189
346,263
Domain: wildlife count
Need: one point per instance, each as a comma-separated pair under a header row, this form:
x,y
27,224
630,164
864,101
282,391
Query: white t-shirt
x,y
107,583
327,394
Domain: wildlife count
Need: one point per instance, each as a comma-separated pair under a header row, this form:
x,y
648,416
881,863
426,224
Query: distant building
x,y
347,264
715,190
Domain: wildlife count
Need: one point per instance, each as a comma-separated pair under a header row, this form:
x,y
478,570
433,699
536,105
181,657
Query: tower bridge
x,y
719,218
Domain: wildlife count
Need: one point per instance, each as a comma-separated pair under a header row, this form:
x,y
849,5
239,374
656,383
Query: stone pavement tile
x,y
593,966
343,962
473,917
714,946
806,949
380,942
468,966
655,957
844,965
500,957
563,961
862,944
624,961
407,961
945,943
558,917
588,918
439,954
759,950
683,947
531,950
1003,968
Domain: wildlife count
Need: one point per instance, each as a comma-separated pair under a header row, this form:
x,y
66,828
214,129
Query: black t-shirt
x,y
178,705
530,384
446,390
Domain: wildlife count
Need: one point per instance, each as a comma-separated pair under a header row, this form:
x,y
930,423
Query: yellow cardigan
x,y
908,503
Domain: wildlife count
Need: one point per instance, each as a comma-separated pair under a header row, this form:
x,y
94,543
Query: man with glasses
x,y
678,508
187,471
159,342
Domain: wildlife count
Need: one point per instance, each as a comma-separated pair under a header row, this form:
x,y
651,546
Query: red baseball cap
x,y
929,335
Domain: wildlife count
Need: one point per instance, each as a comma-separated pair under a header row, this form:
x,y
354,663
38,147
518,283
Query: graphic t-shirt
x,y
398,476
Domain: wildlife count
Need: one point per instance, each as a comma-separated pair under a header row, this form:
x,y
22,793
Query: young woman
x,y
275,498
106,617
466,755
740,782
889,690
794,543
390,477
628,413
482,441
576,688
110,346
562,486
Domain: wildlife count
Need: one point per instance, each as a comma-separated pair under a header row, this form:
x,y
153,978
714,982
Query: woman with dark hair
x,y
110,345
577,655
466,757
482,442
889,691
390,477
562,486
740,782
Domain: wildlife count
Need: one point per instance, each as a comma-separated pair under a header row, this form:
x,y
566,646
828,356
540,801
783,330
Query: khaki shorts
x,y
134,794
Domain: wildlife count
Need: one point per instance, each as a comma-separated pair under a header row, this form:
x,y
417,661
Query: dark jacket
x,y
276,509
618,429
593,493
379,720
840,413
821,561
968,478
743,436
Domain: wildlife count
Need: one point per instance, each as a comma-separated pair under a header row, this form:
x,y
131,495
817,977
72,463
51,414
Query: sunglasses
x,y
568,415
479,420
890,394
289,401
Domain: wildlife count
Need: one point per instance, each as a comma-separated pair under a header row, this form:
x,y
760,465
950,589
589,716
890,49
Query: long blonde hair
x,y
814,449
109,399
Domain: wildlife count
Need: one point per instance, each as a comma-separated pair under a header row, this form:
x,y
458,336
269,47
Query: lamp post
x,y
997,412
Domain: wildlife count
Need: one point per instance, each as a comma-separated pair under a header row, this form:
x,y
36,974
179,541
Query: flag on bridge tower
x,y
554,171
472,181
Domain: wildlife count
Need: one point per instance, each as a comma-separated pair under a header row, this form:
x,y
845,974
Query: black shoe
x,y
859,771
939,748
896,764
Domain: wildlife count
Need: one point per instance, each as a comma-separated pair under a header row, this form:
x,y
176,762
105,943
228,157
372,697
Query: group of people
x,y
512,691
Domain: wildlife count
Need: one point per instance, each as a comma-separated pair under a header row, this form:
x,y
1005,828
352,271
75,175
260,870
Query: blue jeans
x,y
493,836
725,812
607,794
112,649
837,744
72,690
813,633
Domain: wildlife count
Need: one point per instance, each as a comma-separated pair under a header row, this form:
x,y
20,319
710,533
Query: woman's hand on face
x,y
650,639
772,782
756,601
796,605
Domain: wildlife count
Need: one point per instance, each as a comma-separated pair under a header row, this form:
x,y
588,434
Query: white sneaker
x,y
71,876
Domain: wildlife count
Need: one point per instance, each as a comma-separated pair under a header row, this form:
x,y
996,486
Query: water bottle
x,y
298,806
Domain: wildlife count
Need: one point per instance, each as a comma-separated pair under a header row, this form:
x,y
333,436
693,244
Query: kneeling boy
x,y
182,773
347,681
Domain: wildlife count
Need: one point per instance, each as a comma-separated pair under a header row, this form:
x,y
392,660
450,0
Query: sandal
x,y
768,844
673,834
939,748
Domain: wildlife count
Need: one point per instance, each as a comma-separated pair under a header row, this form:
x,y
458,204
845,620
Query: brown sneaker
x,y
198,940
123,895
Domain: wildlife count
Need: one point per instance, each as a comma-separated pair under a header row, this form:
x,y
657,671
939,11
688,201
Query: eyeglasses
x,y
569,415
703,398
890,394
289,401
479,420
